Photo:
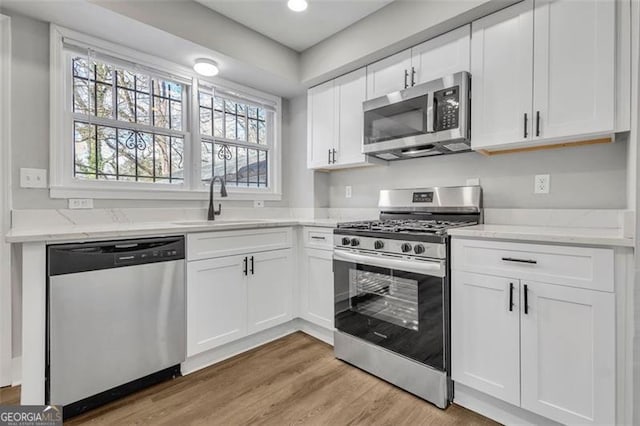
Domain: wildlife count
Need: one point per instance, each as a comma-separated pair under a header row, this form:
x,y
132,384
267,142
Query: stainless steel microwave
x,y
431,118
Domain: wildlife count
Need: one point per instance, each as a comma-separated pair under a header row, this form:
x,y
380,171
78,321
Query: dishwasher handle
x,y
73,258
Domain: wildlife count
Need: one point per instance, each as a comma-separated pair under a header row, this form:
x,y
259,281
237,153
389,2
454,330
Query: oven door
x,y
393,303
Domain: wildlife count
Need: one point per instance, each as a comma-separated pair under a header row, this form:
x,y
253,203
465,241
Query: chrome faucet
x,y
223,193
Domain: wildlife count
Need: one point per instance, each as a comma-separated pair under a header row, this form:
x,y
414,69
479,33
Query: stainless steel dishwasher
x,y
116,319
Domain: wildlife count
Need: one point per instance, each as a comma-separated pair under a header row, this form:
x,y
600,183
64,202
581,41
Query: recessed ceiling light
x,y
206,67
297,5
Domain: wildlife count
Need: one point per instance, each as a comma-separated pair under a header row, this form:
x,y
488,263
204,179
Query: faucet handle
x,y
217,212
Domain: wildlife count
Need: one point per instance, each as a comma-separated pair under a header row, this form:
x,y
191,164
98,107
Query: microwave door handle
x,y
430,113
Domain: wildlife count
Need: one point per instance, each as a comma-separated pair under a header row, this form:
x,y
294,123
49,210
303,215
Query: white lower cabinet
x,y
270,292
230,297
546,347
485,335
317,292
216,303
568,353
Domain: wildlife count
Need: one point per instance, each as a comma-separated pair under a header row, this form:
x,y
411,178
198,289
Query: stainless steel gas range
x,y
391,284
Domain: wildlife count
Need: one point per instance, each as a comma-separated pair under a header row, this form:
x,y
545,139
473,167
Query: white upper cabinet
x,y
389,75
502,73
543,72
351,90
574,64
335,123
443,55
320,124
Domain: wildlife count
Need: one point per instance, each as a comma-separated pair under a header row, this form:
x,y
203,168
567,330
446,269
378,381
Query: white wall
x,y
581,177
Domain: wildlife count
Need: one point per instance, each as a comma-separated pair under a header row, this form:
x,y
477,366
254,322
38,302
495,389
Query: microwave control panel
x,y
447,106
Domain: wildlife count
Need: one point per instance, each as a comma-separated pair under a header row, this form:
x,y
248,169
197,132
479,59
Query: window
x,y
129,125
235,143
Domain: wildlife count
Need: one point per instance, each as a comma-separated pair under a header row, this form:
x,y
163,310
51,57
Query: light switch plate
x,y
258,203
33,178
347,191
541,184
80,203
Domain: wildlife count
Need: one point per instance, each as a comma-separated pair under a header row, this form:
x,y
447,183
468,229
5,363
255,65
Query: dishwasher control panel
x,y
73,258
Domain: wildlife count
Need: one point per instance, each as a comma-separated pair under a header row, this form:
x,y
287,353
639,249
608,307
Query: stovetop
x,y
436,227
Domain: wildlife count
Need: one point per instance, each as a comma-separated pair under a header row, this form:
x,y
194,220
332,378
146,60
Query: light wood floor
x,y
294,380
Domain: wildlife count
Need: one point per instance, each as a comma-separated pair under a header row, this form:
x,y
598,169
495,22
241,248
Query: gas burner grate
x,y
437,227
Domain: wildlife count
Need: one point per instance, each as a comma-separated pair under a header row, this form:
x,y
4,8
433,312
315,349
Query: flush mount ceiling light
x,y
206,67
297,5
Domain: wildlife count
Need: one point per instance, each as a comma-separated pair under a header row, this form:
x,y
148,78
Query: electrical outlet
x,y
80,203
347,191
33,178
258,203
541,184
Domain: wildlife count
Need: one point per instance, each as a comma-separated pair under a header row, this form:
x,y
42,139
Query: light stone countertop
x,y
549,234
140,229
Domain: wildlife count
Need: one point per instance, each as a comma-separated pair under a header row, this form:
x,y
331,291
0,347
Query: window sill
x,y
159,194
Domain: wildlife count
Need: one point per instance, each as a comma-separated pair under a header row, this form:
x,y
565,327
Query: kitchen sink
x,y
218,222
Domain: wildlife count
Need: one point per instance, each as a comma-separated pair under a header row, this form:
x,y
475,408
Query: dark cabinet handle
x,y
406,76
413,76
537,123
510,297
252,270
334,156
526,123
513,259
314,237
526,299
329,157
244,266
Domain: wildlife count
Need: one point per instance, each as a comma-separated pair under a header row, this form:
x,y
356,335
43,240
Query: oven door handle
x,y
433,268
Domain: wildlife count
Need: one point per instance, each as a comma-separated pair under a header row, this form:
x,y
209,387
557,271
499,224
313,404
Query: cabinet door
x,y
440,56
574,59
216,303
351,90
270,289
568,354
502,73
389,75
321,114
485,334
317,293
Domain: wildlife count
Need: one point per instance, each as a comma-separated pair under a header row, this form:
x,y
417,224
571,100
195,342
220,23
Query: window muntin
x,y
235,143
128,126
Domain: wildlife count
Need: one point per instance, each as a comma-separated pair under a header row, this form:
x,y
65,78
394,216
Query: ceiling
x,y
297,30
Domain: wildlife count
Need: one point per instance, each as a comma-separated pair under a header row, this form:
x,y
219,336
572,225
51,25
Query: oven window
x,y
398,120
385,297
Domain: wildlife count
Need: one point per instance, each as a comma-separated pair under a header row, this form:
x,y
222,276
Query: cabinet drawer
x,y
320,238
584,267
206,245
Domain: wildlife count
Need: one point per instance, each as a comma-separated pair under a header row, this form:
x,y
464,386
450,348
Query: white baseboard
x,y
214,356
16,371
496,409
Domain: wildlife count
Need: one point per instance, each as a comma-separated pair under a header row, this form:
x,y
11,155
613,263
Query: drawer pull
x,y
513,259
526,299
314,237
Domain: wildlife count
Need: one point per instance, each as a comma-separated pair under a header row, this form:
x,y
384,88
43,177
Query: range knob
x,y
378,245
355,242
346,241
406,248
419,249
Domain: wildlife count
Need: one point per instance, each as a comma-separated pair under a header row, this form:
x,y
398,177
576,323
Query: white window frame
x,y
61,158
